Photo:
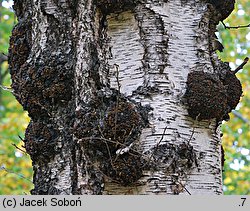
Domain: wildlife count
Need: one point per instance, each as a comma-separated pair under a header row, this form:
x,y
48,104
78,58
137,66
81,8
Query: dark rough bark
x,y
209,95
43,82
224,7
91,123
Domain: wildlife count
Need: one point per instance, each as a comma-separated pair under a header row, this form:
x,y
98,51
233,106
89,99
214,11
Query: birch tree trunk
x,y
104,83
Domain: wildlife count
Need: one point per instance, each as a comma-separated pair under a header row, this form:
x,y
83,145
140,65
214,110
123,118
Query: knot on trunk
x,y
110,128
223,7
211,95
41,141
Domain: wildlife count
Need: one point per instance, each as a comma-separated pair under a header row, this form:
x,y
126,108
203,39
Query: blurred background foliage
x,y
15,164
236,138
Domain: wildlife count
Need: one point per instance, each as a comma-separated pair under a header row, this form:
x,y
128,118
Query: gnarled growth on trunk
x,y
104,83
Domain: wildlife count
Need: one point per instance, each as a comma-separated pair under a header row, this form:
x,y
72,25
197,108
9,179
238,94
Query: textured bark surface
x,y
104,83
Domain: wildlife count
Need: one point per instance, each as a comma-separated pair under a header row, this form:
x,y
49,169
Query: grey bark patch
x,y
177,161
176,158
150,24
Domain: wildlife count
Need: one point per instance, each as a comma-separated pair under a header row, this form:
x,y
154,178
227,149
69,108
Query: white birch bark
x,y
186,29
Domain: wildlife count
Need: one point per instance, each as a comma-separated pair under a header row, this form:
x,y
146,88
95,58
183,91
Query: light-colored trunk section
x,y
136,47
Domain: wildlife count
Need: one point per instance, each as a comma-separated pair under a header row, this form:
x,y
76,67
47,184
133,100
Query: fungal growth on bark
x,y
41,141
125,169
224,7
111,129
213,95
206,96
109,6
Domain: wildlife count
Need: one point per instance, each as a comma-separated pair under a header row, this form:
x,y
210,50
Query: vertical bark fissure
x,y
86,82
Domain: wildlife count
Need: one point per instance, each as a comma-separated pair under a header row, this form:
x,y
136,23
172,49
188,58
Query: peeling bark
x,y
104,83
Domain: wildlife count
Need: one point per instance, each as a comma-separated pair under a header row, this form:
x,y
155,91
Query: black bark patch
x,y
40,87
206,96
115,6
222,158
20,45
20,6
94,65
41,141
73,5
44,185
110,128
212,95
126,169
223,7
96,181
233,88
